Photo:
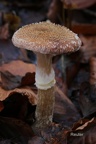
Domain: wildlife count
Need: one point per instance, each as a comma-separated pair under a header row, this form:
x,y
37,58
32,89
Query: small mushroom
x,y
46,39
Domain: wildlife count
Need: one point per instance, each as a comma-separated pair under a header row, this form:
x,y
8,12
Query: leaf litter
x,y
74,113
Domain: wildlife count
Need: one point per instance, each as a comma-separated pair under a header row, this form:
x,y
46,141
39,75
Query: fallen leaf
x,y
17,73
84,125
87,101
18,67
18,77
64,110
87,107
18,106
28,79
26,91
9,81
83,132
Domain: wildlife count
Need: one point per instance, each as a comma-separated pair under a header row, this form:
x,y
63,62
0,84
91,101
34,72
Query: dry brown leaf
x,y
18,67
84,131
9,81
87,99
64,109
86,105
28,79
16,74
23,91
85,124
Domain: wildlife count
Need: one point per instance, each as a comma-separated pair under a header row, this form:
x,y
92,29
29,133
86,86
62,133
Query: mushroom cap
x,y
46,38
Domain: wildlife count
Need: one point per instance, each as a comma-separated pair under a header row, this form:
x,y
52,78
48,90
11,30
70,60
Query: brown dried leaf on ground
x,y
18,67
17,73
4,31
9,81
87,100
28,79
87,106
26,91
64,111
84,131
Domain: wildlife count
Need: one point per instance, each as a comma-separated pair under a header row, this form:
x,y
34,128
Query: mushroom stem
x,y
44,110
45,78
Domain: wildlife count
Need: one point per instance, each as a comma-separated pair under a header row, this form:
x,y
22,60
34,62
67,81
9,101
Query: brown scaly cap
x,y
46,38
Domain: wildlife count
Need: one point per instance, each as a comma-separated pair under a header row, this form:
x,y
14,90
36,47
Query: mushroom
x,y
46,39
